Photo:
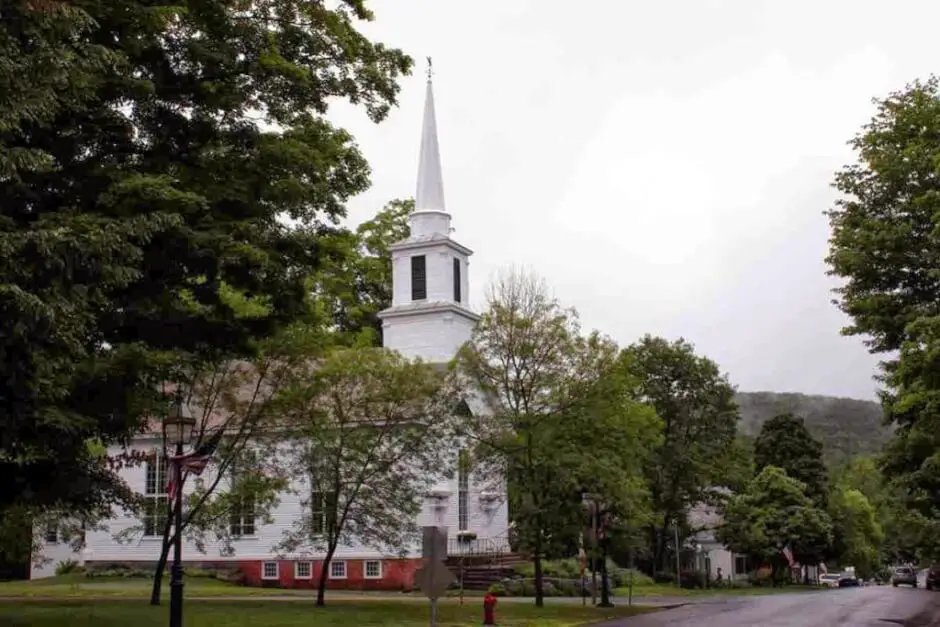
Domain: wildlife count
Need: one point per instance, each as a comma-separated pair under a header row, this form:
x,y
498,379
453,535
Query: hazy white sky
x,y
664,165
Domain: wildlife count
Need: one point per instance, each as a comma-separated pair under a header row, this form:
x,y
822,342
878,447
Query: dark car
x,y
933,577
904,575
848,580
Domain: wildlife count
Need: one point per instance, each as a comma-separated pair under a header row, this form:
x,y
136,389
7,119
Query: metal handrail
x,y
478,546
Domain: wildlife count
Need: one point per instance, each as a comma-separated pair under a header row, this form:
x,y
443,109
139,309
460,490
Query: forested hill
x,y
845,426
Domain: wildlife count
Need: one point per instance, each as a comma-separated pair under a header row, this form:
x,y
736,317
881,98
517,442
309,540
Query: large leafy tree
x,y
785,442
771,514
696,404
357,284
148,153
369,433
561,417
901,527
857,533
885,245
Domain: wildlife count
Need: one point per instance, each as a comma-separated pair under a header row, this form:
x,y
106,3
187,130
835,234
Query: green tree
x,y
357,284
369,433
884,227
884,245
785,442
696,404
773,513
245,479
561,417
902,528
857,534
148,152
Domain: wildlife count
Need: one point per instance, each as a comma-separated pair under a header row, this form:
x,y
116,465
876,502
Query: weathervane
x,y
430,71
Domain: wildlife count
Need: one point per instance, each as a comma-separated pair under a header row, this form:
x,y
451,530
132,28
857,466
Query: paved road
x,y
878,606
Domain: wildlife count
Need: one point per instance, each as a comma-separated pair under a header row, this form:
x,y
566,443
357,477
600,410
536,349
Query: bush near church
x,y
562,578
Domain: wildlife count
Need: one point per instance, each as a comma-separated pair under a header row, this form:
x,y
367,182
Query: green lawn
x,y
286,614
79,585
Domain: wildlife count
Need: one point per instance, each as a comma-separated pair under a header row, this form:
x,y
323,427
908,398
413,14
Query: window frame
x,y
365,569
277,570
458,282
419,278
463,490
156,498
334,564
318,510
50,534
309,565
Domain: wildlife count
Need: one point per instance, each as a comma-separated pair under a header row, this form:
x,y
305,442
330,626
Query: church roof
x,y
429,195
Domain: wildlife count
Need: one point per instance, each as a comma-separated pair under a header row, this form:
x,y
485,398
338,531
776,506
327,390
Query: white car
x,y
830,580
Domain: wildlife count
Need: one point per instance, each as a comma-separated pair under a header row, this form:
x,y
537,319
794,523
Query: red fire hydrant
x,y
489,609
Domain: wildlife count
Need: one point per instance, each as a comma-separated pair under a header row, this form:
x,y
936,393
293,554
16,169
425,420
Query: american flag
x,y
194,462
788,553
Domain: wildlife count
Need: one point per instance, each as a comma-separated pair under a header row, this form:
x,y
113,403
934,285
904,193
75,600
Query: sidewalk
x,y
665,602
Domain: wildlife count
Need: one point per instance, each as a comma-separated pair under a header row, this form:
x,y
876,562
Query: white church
x,y
429,318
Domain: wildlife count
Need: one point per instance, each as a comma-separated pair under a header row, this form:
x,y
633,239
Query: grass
x,y
281,614
78,586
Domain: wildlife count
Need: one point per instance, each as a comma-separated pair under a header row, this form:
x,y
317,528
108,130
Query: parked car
x,y
933,577
904,575
830,580
848,580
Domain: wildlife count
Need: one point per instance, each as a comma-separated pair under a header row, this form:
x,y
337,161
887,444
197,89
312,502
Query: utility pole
x,y
678,567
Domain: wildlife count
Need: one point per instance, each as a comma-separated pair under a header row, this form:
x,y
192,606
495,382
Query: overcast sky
x,y
664,165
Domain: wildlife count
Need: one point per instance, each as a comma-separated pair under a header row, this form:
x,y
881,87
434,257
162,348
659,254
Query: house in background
x,y
428,318
709,553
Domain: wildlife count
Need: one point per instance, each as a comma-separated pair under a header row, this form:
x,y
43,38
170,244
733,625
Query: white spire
x,y
430,193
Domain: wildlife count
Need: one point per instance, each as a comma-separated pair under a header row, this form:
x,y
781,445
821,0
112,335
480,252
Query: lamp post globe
x,y
178,428
179,424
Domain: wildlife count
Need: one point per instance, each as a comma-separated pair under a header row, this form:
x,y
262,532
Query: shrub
x,y
497,590
67,567
664,577
524,569
202,573
562,569
620,578
692,579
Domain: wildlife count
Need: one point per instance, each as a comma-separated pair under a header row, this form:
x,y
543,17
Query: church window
x,y
156,500
322,506
456,280
463,491
242,514
419,278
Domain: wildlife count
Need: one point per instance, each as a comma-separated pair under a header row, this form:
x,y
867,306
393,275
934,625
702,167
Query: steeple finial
x,y
430,70
430,193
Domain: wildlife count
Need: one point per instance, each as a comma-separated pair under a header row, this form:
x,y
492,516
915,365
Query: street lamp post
x,y
178,428
600,541
605,581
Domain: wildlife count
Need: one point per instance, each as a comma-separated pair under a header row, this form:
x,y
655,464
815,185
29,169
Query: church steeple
x,y
430,192
429,218
429,317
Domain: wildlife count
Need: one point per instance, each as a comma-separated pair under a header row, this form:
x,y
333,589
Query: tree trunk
x,y
161,563
537,562
663,563
324,576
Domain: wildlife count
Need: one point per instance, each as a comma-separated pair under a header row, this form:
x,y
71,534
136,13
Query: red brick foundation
x,y
397,574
